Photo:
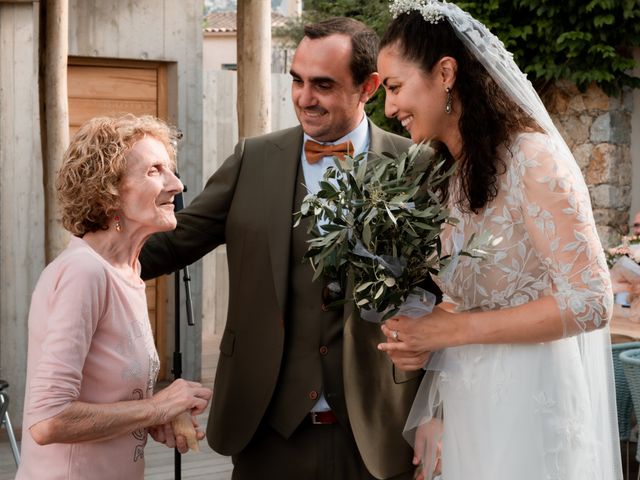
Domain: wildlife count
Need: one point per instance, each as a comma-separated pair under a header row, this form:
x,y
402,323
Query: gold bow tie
x,y
315,151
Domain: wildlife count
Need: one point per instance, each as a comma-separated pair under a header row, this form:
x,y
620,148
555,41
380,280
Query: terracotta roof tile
x,y
221,22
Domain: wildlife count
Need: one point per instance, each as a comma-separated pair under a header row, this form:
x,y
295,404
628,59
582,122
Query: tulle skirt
x,y
529,412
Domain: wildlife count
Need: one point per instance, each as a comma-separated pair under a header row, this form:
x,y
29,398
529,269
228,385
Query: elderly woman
x,y
92,363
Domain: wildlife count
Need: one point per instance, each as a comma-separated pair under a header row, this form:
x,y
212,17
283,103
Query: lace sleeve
x,y
557,215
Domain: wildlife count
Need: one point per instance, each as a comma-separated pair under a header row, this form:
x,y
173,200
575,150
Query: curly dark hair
x,y
488,118
364,43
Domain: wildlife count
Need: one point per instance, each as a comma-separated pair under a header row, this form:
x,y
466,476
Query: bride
x,y
520,383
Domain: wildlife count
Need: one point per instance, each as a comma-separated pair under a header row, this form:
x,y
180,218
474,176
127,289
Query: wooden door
x,y
106,87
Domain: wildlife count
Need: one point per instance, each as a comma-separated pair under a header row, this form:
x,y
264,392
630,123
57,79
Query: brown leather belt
x,y
323,418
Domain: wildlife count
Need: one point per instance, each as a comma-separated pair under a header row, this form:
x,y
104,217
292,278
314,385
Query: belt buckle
x,y
322,418
315,420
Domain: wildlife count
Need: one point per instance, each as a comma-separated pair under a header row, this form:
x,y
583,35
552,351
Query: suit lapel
x,y
280,164
381,141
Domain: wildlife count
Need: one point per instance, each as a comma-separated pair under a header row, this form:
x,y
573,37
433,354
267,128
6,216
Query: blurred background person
x,y
635,227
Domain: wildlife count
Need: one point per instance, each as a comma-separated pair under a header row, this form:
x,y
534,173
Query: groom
x,y
301,392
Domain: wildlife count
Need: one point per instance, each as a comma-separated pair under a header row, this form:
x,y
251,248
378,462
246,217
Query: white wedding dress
x,y
540,411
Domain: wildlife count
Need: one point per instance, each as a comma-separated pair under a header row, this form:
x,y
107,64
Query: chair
x,y
624,402
6,422
630,360
623,394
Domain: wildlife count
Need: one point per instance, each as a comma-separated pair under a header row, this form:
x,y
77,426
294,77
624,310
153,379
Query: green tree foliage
x,y
584,41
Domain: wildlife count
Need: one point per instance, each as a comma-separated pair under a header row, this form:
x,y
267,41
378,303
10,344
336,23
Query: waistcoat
x,y
312,356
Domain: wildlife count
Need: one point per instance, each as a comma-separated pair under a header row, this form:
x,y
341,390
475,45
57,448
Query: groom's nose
x,y
306,97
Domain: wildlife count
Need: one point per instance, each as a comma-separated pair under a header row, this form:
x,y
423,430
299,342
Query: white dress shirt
x,y
313,172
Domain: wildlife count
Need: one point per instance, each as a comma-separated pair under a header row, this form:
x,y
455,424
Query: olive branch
x,y
377,219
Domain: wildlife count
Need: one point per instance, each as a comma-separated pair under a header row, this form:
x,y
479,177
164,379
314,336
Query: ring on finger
x,y
394,335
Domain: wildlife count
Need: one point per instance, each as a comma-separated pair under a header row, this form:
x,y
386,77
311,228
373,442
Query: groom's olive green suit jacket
x,y
248,205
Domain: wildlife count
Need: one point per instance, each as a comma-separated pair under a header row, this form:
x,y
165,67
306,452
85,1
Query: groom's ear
x,y
369,87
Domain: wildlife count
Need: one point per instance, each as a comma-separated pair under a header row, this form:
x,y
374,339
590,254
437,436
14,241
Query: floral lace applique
x,y
548,245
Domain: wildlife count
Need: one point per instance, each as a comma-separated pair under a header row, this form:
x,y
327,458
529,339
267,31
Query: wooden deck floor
x,y
159,459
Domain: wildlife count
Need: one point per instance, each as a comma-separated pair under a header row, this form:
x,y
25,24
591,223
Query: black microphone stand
x,y
178,202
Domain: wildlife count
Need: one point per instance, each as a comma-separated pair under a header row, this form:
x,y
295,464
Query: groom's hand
x,y
427,448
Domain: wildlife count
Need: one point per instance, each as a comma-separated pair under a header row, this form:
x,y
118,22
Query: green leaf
x,y
362,287
379,292
366,234
391,216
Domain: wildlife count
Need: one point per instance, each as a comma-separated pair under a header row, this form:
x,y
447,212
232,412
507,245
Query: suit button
x,y
313,395
324,350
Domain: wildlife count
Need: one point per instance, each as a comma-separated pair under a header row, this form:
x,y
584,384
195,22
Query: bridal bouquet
x,y
376,222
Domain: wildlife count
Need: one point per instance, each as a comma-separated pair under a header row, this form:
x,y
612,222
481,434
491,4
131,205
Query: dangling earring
x,y
118,225
447,107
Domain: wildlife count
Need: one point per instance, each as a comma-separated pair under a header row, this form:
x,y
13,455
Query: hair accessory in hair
x,y
487,49
431,10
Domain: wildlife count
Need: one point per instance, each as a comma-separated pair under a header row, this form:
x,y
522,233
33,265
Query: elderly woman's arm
x,y
85,422
69,307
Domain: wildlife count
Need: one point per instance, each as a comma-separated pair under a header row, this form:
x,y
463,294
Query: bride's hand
x,y
405,360
414,336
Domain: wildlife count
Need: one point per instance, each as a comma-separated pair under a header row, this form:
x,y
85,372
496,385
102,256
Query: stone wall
x,y
597,128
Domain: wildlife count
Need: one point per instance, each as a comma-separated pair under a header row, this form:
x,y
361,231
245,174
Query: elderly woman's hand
x,y
181,396
164,434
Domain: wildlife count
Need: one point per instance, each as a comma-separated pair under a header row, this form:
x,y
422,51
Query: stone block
x,y
623,102
596,99
624,166
609,236
576,104
601,128
621,127
610,196
582,154
602,167
559,96
574,129
611,217
557,102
